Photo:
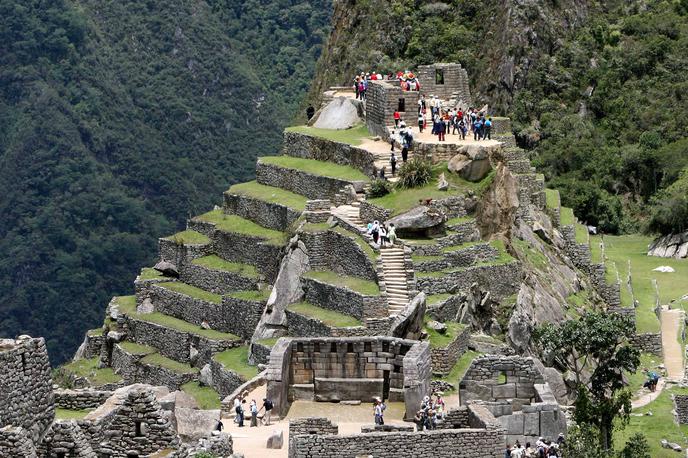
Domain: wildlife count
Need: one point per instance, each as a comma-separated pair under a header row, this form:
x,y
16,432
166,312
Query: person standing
x,y
393,163
237,409
254,413
487,128
477,129
392,234
267,406
421,121
397,118
241,412
310,111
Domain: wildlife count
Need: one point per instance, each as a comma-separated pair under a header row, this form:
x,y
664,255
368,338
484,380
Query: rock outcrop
x,y
670,246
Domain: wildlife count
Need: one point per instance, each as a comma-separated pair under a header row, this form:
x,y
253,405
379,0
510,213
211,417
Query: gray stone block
x,y
531,424
513,424
505,391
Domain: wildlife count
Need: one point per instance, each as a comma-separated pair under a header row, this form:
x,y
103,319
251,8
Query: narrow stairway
x,y
395,278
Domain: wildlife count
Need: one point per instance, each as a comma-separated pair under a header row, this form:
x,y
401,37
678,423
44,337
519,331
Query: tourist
x,y
392,139
487,129
391,234
393,163
237,408
381,173
267,406
529,451
477,129
397,118
254,413
419,420
219,426
439,405
432,103
507,452
240,411
421,104
440,127
375,231
383,236
421,121
357,80
310,111
377,411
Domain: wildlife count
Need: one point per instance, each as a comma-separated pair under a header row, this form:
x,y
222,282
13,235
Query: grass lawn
x,y
438,340
460,368
239,225
217,263
459,220
552,198
402,200
270,194
148,273
353,136
656,427
319,168
136,349
156,359
566,217
188,237
251,295
365,287
329,317
268,342
236,359
192,291
206,397
647,361
68,414
88,368
581,233
437,298
672,285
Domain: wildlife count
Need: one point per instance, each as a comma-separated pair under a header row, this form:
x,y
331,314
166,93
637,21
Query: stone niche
x,y
514,390
348,368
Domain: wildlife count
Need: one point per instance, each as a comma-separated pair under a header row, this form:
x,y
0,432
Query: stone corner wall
x,y
681,408
648,342
444,358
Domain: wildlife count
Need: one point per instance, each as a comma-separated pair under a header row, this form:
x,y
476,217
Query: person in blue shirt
x,y
487,128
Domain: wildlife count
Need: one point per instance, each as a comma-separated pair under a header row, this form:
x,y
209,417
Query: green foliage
x,y
582,441
415,173
636,447
379,188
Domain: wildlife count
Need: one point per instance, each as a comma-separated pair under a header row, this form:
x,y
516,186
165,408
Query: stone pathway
x,y
394,273
673,352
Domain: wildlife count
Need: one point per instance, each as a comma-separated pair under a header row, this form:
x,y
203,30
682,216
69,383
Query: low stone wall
x,y
578,252
16,441
444,358
306,184
312,147
371,212
80,399
648,343
260,353
312,425
611,294
338,252
435,249
216,281
480,252
335,298
387,428
267,214
133,370
225,380
181,254
455,418
227,404
467,230
681,408
500,280
460,443
305,326
92,344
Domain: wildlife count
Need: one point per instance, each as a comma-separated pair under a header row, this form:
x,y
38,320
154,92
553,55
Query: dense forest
x,y
117,121
597,90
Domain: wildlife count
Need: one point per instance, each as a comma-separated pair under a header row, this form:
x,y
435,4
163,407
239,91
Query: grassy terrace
x,y
360,241
168,321
438,340
137,349
270,194
402,200
192,291
206,397
672,286
148,273
353,136
566,217
251,295
365,287
459,220
460,368
319,168
437,298
268,342
88,368
156,359
236,359
503,258
329,317
68,414
188,237
217,263
462,246
581,233
419,258
552,198
315,227
238,225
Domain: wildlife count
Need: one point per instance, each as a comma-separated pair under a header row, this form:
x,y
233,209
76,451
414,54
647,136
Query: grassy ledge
x,y
359,285
438,340
148,273
156,359
315,227
217,263
319,168
238,225
581,234
188,237
236,359
329,317
460,368
137,349
251,295
269,194
68,414
206,397
566,217
268,342
552,198
353,136
198,293
88,368
437,298
459,220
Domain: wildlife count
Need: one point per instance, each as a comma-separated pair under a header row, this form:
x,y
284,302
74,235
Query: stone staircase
x,y
394,271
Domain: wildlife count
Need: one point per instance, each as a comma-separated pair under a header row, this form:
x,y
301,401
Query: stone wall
x,y
382,100
578,252
463,257
312,425
306,326
267,214
66,438
610,293
216,281
681,408
458,443
312,147
501,280
16,441
336,298
496,377
371,212
338,252
80,399
133,370
454,84
648,343
241,315
179,254
225,380
444,358
26,395
306,184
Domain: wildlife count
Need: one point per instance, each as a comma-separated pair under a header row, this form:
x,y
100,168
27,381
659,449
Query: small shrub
x,y
379,188
415,173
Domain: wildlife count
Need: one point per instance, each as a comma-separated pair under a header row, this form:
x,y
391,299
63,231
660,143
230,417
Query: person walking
x,y
237,408
477,129
241,412
393,163
397,118
267,406
392,234
421,121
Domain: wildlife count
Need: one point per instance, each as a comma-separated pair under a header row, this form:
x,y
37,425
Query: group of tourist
x,y
240,410
382,234
430,412
407,80
542,449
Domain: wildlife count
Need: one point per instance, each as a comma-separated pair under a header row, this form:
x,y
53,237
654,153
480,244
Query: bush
x,y
379,188
415,173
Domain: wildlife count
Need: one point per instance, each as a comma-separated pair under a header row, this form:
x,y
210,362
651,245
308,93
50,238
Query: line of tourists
x,y
240,410
542,449
383,235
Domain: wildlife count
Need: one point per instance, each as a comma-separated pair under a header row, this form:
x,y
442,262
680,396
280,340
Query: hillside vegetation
x,y
117,121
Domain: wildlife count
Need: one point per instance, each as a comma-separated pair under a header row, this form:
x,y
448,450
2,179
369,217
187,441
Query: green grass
x,y
329,317
438,340
419,258
566,217
552,198
459,220
460,368
188,237
126,303
251,295
315,227
365,287
432,274
137,349
437,298
360,241
461,246
238,225
581,233
270,194
156,359
353,136
535,257
422,241
402,200
672,286
595,250
217,263
148,273
206,397
88,368
192,291
68,414
268,342
319,168
236,359
647,361
95,332
659,426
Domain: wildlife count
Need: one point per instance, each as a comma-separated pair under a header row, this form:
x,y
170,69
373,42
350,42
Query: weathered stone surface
x,y
419,218
472,163
340,113
167,269
670,246
276,439
437,326
146,306
193,424
442,183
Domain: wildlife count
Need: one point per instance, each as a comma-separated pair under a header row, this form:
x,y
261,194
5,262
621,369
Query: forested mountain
x,y
117,121
597,89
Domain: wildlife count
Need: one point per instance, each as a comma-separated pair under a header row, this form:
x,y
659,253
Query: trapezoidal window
x,y
439,76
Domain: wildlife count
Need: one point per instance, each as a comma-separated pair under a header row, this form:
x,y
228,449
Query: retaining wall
x,y
312,147
267,214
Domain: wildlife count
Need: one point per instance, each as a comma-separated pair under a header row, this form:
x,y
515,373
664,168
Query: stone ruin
x,y
514,390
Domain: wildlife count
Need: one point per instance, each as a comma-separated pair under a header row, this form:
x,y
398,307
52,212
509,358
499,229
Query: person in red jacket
x,y
397,118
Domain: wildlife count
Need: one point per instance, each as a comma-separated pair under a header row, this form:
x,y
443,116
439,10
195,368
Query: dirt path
x,y
673,351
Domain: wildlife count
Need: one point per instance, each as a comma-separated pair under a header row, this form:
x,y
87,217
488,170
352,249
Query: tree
x,y
596,343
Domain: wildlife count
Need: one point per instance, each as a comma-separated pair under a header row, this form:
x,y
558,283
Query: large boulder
x,y
418,219
276,439
340,113
472,164
167,269
670,246
193,424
